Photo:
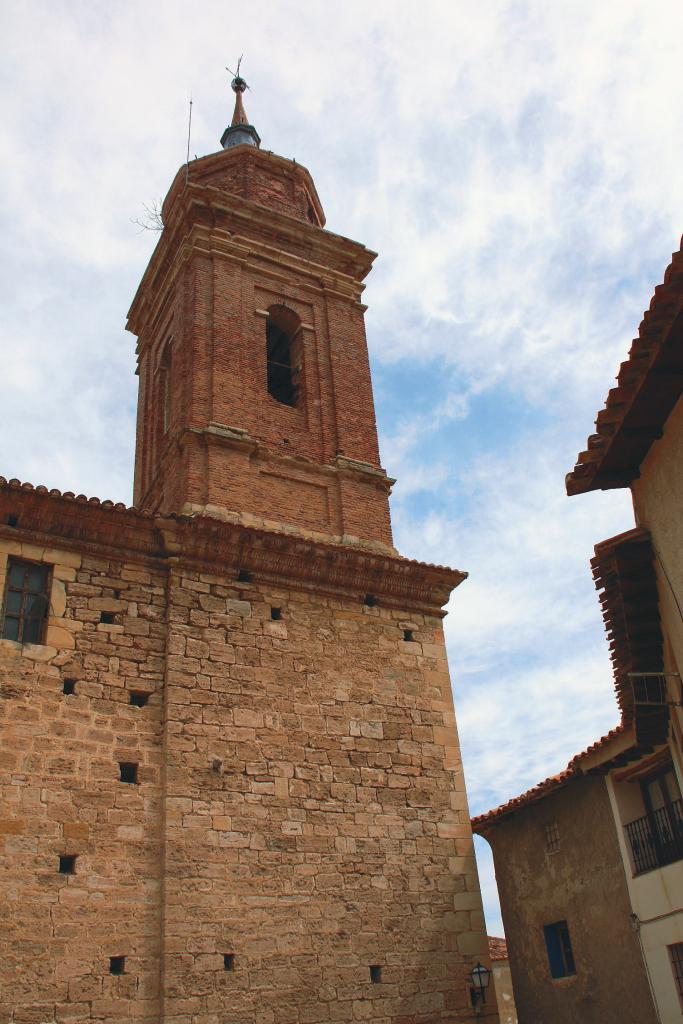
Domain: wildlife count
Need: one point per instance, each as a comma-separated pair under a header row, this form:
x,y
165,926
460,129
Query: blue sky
x,y
517,165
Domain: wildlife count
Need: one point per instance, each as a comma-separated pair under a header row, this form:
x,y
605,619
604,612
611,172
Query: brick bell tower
x,y
317,861
255,400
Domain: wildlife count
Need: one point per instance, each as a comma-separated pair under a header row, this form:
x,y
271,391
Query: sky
x,y
516,165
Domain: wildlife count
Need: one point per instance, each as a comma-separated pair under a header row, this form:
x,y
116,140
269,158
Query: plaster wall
x,y
656,898
658,500
502,980
583,884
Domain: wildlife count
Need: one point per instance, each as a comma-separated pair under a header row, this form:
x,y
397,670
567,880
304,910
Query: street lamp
x,y
480,977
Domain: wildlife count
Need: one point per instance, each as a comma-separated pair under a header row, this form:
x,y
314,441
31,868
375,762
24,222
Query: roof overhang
x,y
649,384
624,574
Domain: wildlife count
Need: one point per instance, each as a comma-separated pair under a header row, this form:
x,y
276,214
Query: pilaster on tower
x,y
255,397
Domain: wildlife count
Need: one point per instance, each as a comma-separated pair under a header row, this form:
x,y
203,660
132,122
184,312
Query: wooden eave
x,y
624,574
649,384
625,577
75,522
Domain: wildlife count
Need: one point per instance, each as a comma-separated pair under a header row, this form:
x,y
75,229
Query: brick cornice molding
x,y
223,548
205,218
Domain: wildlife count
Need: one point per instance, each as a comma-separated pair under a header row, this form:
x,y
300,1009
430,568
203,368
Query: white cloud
x,y
517,165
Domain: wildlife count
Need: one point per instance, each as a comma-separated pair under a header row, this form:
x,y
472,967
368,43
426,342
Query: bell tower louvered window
x,y
283,355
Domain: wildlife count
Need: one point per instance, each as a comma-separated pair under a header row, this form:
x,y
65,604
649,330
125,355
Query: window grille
x,y
676,954
552,837
26,601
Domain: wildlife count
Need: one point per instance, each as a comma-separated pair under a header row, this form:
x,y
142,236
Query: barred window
x,y
552,837
26,601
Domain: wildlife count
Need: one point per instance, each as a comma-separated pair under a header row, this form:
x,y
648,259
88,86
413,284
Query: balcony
x,y
657,839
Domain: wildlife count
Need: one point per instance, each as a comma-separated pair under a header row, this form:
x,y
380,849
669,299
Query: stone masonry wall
x,y
316,819
61,794
300,806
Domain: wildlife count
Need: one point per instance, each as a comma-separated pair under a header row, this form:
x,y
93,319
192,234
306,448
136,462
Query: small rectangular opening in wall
x,y
117,965
276,614
128,772
12,520
559,948
138,698
108,617
408,636
370,601
69,687
67,864
244,576
229,961
375,974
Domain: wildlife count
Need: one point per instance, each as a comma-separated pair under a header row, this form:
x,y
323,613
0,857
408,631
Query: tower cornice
x,y
228,225
246,159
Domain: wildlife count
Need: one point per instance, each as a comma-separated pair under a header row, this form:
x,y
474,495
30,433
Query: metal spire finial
x,y
238,84
240,131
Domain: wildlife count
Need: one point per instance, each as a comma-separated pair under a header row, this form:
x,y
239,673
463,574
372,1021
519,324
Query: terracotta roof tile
x,y
649,384
572,771
385,570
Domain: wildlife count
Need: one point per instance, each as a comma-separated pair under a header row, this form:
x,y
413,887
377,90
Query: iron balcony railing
x,y
657,839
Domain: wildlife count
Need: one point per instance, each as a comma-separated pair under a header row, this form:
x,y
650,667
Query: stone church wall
x,y
299,809
316,817
61,795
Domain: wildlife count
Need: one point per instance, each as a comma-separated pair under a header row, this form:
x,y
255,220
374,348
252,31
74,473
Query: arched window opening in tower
x,y
283,355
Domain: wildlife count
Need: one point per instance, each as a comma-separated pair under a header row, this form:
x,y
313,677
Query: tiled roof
x,y
133,511
82,499
498,948
649,384
624,574
549,785
229,542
